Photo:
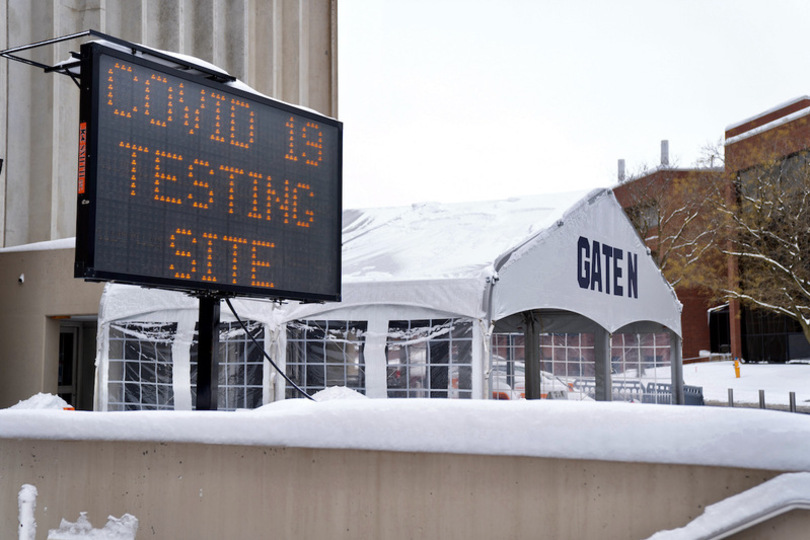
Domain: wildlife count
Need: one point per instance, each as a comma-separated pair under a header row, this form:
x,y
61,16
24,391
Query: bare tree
x,y
767,220
674,212
736,233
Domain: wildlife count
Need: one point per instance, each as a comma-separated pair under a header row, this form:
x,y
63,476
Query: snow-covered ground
x,y
777,380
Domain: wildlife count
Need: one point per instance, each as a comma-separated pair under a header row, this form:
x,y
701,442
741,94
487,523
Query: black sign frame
x,y
315,256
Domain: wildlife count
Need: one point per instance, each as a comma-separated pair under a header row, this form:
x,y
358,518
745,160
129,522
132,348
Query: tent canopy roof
x,y
443,241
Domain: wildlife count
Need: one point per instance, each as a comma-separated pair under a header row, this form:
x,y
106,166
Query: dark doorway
x,y
77,339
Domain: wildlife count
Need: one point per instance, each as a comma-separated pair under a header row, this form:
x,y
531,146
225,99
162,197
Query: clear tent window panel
x,y
241,366
429,358
570,356
566,362
507,374
322,354
641,367
140,367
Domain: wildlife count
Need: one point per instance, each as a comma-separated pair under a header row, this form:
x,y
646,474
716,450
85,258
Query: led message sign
x,y
187,183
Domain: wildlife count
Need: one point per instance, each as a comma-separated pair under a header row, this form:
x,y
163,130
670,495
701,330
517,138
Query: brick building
x,y
776,135
780,136
653,202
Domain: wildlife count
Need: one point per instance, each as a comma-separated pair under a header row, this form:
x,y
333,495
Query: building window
x,y
140,367
429,358
645,216
241,366
321,354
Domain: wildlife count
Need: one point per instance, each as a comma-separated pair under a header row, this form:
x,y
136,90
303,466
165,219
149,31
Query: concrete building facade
x,y
286,49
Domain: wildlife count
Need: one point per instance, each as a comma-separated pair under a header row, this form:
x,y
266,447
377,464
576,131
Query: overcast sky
x,y
458,100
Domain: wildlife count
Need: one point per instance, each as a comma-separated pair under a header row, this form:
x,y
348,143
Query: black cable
x,y
261,347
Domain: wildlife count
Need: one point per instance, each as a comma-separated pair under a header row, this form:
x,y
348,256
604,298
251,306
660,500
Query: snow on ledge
x,y
63,243
713,436
770,499
779,107
781,121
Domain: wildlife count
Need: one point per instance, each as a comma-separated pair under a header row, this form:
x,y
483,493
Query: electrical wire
x,y
261,348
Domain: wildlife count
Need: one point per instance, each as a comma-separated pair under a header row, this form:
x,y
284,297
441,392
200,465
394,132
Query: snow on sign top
x,y
443,241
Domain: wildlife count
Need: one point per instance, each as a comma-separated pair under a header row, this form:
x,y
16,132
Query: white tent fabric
x,y
556,269
571,253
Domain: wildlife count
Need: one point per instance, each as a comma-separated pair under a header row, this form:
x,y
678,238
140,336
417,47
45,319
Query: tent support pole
x,y
531,338
604,382
207,345
676,363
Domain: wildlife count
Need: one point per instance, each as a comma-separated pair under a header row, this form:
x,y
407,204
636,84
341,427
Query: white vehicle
x,y
508,386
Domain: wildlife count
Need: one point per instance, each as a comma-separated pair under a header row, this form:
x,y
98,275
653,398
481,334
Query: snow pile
x,y
765,501
714,436
337,392
42,401
123,528
26,504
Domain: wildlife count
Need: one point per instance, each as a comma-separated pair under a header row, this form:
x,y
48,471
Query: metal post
x,y
676,368
730,397
793,402
207,345
531,355
603,380
762,399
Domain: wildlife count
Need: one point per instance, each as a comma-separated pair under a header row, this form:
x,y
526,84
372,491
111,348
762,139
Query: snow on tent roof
x,y
443,241
442,256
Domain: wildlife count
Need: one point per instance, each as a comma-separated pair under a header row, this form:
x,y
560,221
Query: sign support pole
x,y
207,346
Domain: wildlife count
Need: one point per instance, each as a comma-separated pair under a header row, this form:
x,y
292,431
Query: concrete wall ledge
x,y
198,490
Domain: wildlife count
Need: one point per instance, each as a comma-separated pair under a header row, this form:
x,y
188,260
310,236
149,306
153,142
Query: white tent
x,y
553,263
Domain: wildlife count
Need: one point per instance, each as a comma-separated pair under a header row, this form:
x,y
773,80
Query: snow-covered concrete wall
x,y
179,490
351,467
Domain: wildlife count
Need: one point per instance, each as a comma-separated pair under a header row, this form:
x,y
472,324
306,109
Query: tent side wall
x,y
146,351
380,340
152,328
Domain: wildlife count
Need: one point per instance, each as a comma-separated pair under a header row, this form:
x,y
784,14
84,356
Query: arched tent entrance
x,y
636,361
589,273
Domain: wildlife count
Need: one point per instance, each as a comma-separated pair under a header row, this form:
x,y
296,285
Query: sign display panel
x,y
187,183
